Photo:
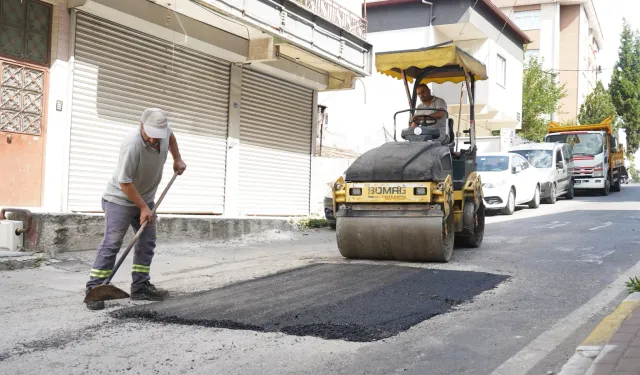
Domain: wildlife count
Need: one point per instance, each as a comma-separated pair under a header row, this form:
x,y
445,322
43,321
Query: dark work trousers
x,y
117,221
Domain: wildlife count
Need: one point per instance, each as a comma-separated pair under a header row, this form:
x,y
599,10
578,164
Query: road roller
x,y
412,200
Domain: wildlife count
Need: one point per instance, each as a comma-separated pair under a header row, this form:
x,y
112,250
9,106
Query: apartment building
x,y
363,118
567,36
239,79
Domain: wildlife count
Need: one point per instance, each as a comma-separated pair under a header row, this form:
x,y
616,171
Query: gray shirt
x,y
441,124
139,163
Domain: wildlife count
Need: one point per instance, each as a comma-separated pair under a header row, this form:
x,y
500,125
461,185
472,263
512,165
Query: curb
x,y
589,349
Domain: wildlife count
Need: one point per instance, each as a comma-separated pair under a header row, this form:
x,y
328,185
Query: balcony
x,y
338,15
319,33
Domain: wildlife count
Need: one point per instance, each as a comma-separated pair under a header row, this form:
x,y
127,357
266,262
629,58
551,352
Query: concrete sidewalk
x,y
614,345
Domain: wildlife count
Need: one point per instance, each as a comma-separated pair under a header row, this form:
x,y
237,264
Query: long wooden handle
x,y
139,232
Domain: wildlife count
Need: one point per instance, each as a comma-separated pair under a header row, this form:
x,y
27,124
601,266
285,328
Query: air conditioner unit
x,y
8,238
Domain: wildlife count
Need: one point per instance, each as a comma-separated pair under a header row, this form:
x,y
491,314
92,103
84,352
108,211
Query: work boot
x,y
149,292
94,305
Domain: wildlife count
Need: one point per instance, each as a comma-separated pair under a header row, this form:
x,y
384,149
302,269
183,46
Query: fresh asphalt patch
x,y
352,302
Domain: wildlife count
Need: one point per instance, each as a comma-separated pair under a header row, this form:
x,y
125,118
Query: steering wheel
x,y
421,120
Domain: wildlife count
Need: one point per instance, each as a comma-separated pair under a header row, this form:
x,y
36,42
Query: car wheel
x,y
570,192
607,187
511,204
552,195
535,202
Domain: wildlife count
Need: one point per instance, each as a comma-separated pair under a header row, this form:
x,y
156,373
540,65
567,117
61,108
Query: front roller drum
x,y
410,239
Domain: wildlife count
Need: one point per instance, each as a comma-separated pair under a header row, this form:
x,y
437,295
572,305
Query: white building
x,y
239,79
358,118
567,36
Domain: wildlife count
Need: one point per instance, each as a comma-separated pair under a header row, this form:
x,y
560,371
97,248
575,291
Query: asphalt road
x,y
566,266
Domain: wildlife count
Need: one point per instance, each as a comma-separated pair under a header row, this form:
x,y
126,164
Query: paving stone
x,y
601,369
629,364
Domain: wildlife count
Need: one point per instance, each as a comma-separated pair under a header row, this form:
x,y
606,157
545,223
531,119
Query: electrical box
x,y
8,237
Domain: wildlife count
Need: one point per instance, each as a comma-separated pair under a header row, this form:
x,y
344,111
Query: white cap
x,y
155,123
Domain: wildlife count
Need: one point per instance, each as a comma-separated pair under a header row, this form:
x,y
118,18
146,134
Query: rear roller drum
x,y
411,239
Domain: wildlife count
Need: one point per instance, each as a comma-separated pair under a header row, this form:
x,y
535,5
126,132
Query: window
x,y
501,71
537,158
24,30
558,156
527,19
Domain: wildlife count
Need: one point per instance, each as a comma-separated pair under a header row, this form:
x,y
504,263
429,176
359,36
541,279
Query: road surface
x,y
559,269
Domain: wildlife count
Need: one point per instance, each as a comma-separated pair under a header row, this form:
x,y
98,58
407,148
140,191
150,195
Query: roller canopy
x,y
447,64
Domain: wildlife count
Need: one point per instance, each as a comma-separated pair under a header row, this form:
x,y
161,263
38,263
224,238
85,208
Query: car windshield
x,y
537,158
580,144
492,163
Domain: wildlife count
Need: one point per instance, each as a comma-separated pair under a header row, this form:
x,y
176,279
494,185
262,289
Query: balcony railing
x,y
338,15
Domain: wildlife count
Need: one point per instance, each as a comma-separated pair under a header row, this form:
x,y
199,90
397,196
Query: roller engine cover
x,y
402,161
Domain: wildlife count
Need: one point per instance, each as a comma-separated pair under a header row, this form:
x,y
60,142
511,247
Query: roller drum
x,y
411,239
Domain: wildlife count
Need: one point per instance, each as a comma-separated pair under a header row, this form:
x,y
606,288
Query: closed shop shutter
x,y
118,73
275,146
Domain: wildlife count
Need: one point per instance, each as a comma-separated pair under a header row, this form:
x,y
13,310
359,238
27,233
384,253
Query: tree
x,y
625,85
541,95
597,106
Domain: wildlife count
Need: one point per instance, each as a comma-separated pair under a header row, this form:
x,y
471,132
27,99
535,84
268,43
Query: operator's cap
x,y
155,123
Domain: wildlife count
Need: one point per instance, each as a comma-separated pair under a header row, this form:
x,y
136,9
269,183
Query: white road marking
x,y
527,358
608,223
596,258
553,224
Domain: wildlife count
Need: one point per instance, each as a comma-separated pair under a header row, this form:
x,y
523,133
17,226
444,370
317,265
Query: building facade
x,y
363,118
239,79
567,38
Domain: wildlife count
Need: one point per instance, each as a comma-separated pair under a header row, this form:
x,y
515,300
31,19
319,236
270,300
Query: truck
x,y
598,160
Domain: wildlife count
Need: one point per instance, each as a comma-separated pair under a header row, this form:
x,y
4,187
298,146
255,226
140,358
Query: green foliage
x,y
633,285
597,106
625,85
633,172
311,222
541,95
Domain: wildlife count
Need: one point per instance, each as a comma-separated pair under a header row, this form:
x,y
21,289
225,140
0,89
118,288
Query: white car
x,y
507,180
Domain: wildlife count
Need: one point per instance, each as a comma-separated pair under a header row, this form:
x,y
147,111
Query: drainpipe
x,y
430,10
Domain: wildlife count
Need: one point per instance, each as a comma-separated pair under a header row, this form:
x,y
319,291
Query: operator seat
x,y
452,137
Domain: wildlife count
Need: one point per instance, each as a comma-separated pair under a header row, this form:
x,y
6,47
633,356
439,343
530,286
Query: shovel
x,y
106,291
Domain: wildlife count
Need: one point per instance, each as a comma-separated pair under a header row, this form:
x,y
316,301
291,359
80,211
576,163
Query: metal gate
x,y
119,72
275,146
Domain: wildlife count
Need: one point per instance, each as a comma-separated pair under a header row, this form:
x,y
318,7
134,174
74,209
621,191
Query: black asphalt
x,y
352,302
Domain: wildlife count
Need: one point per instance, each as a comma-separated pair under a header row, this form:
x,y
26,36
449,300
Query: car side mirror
x,y
560,165
516,170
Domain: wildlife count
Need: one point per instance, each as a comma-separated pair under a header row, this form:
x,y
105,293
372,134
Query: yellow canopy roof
x,y
416,61
606,125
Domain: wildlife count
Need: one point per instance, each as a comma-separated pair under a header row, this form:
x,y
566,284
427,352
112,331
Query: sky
x,y
610,14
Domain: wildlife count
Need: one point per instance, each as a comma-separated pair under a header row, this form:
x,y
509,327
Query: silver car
x,y
554,164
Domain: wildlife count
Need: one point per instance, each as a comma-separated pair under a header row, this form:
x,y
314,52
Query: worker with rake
x,y
129,200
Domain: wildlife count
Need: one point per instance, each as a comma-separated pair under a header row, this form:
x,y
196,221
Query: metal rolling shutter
x,y
120,72
275,146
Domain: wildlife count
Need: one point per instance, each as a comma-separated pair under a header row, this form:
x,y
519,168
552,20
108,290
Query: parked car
x,y
554,164
507,180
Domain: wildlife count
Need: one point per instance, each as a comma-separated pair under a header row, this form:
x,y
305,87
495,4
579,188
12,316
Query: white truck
x,y
598,164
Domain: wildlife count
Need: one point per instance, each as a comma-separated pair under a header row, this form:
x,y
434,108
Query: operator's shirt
x,y
441,124
139,163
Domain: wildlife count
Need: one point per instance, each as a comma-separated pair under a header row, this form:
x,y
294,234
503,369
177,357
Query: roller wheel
x,y
448,235
474,239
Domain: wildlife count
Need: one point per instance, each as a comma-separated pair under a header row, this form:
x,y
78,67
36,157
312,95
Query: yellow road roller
x,y
411,200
